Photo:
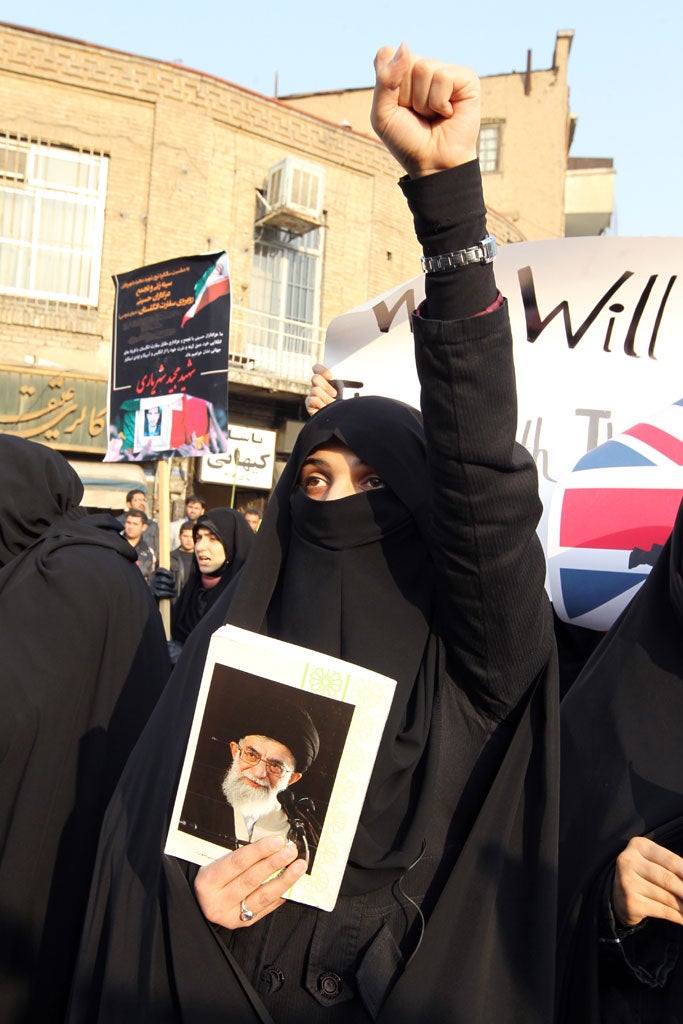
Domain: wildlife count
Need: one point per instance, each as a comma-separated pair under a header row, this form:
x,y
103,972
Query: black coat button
x,y
272,977
329,985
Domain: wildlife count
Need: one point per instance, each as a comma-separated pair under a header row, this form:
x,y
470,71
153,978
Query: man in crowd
x,y
253,517
134,526
137,499
182,557
195,506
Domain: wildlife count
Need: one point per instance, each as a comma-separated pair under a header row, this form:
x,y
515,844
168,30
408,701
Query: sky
x,y
623,67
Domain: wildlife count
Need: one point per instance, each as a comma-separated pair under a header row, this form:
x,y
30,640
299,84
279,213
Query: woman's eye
x,y
311,482
374,482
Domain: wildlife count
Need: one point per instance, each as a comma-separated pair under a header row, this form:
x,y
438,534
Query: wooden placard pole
x,y
163,485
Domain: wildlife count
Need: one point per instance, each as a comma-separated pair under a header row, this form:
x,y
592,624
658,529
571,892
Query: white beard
x,y
250,802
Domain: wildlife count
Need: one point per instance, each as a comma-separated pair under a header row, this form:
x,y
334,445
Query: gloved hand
x,y
162,583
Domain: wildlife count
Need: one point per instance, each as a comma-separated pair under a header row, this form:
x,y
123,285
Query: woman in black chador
x,y
621,842
409,549
83,663
211,575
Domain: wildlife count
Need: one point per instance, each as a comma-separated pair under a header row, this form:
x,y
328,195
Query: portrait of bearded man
x,y
277,743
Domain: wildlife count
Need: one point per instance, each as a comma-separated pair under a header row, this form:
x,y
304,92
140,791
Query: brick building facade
x,y
110,161
524,142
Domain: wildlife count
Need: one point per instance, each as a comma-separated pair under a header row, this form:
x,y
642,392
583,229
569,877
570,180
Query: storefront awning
x,y
107,483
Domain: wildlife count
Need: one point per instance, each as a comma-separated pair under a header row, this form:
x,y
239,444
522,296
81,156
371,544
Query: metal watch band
x,y
482,252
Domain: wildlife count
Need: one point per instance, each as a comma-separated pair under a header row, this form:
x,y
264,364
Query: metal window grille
x,y
489,147
52,203
283,332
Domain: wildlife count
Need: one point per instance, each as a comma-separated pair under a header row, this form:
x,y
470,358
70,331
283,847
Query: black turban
x,y
280,720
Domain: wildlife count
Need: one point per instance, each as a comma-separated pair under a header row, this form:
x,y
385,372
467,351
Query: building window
x,y
51,220
489,147
285,296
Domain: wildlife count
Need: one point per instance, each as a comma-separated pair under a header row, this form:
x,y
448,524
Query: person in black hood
x,y
621,836
222,540
408,548
84,661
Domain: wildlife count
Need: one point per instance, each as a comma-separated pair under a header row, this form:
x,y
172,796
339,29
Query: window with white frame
x,y
489,147
51,220
285,287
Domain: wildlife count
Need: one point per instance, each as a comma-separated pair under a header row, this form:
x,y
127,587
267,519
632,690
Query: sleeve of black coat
x,y
495,616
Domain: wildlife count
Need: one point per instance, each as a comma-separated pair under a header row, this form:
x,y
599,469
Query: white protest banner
x,y
597,326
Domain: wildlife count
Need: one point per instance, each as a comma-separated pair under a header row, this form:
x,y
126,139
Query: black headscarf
x,y
40,492
84,661
194,600
622,776
281,720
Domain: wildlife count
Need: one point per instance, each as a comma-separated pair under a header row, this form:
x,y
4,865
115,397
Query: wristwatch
x,y
482,252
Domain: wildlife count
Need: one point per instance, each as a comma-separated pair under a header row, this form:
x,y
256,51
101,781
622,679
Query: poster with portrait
x,y
283,741
168,393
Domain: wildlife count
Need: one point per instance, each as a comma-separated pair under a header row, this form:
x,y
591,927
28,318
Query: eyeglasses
x,y
252,758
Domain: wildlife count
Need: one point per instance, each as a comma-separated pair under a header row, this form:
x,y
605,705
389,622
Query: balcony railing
x,y
273,346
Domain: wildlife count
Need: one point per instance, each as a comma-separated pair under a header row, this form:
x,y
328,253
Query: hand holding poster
x,y
283,742
169,376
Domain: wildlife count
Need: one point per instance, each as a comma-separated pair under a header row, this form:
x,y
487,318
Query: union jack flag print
x,y
610,517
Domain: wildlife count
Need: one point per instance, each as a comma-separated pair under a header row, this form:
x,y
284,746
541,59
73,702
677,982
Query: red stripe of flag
x,y
667,444
617,518
212,292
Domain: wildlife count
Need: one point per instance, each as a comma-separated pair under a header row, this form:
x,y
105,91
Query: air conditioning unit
x,y
294,196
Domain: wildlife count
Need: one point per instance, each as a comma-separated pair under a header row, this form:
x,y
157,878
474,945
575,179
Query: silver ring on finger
x,y
245,913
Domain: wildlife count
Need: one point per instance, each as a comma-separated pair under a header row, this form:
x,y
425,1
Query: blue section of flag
x,y
612,454
583,590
